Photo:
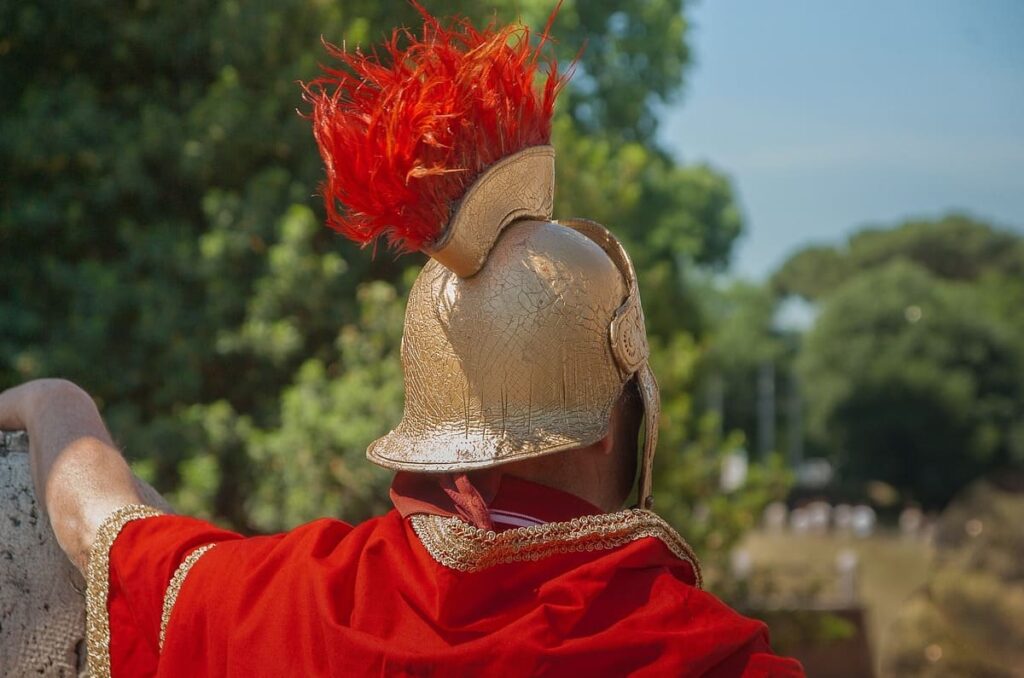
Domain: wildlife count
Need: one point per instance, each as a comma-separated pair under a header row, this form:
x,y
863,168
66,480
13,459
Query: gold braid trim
x,y
97,586
466,548
171,596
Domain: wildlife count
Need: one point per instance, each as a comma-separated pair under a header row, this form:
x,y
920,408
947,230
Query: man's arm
x,y
79,476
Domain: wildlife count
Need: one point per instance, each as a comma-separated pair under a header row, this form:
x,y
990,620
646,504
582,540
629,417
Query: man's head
x,y
521,332
513,362
541,353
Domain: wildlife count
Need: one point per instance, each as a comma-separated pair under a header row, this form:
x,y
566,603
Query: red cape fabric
x,y
331,599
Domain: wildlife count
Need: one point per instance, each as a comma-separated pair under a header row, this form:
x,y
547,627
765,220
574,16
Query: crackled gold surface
x,y
97,621
513,362
629,345
521,186
171,595
460,546
519,333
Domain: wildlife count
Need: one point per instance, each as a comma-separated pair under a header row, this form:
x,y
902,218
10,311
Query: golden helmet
x,y
520,332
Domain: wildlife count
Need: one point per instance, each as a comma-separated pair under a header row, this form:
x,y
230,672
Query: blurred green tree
x,y
689,468
160,240
955,247
744,339
911,381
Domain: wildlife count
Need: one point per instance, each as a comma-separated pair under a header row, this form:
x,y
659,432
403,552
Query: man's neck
x,y
578,472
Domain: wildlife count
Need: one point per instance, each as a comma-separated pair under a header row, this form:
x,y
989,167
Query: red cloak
x,y
600,594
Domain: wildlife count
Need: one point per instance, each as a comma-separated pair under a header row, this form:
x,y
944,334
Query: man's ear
x,y
607,444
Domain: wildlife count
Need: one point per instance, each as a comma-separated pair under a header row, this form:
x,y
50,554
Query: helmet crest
x,y
402,137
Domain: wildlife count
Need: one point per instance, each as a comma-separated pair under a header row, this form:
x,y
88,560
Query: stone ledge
x,y
42,606
12,442
42,609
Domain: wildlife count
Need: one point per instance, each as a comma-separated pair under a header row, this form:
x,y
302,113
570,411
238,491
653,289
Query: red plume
x,y
402,138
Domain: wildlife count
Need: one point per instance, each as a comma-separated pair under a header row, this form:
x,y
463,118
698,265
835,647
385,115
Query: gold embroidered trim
x,y
97,585
171,596
466,548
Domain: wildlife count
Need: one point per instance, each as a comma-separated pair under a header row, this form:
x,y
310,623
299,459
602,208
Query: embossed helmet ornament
x,y
521,331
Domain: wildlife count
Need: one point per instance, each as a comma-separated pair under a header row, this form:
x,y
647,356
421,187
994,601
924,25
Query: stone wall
x,y
42,602
42,609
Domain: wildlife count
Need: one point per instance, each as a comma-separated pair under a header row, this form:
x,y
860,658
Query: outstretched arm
x,y
79,476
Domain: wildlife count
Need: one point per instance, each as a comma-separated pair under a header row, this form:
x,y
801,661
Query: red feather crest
x,y
403,138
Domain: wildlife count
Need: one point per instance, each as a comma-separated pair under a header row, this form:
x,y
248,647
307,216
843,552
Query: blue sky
x,y
829,115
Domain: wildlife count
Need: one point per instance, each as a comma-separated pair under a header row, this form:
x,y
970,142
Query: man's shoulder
x,y
327,537
323,532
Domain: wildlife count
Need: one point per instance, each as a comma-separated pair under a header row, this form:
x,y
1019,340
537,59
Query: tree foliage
x,y
909,380
955,247
913,370
689,466
744,338
160,240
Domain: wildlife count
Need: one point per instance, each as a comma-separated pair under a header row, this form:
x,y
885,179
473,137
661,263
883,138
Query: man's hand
x,y
79,476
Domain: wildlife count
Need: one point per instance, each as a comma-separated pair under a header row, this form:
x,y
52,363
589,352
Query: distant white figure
x,y
799,521
741,564
847,564
819,514
863,520
775,516
911,522
842,517
734,471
